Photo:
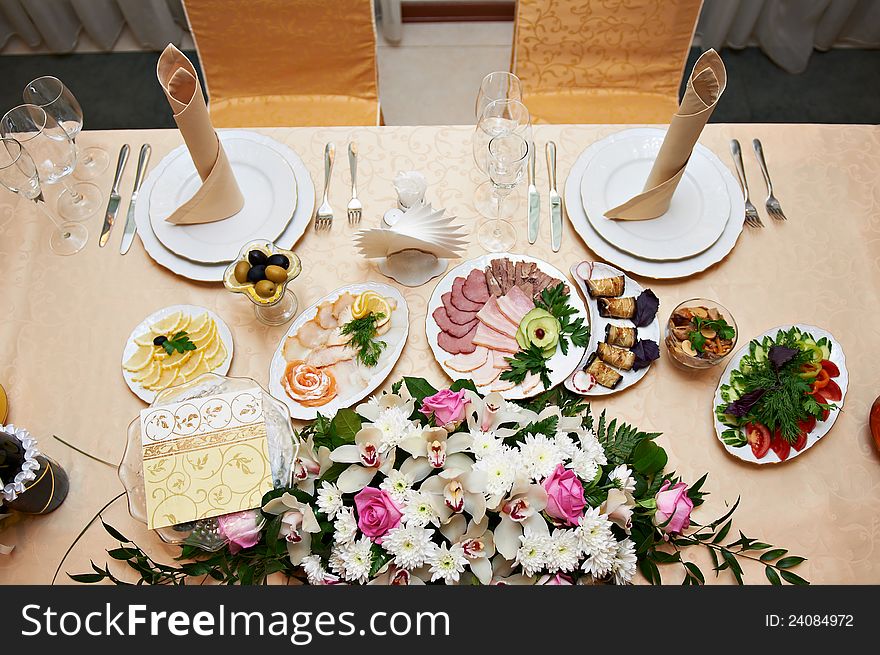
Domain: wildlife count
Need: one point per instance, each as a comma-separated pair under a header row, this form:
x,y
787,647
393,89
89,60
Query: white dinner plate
x,y
669,270
147,395
266,181
302,215
387,359
560,365
822,427
697,213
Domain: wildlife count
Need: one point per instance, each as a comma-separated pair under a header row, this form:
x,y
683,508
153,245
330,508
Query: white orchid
x,y
366,459
309,465
429,450
476,541
519,512
461,488
298,523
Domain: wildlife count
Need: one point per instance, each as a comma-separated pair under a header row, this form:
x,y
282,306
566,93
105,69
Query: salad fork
x,y
354,205
772,204
324,215
752,218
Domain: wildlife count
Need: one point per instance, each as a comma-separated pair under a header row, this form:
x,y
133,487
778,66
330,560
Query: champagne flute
x,y
51,94
508,157
499,85
499,117
55,156
18,173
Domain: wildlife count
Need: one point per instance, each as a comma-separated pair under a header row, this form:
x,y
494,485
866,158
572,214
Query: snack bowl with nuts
x,y
700,333
262,272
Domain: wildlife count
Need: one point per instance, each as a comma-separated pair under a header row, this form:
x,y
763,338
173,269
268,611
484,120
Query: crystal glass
x,y
57,100
508,157
499,85
500,117
678,331
18,173
55,156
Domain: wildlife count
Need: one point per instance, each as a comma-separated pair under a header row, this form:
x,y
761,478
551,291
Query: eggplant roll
x,y
604,374
625,337
606,287
617,357
617,307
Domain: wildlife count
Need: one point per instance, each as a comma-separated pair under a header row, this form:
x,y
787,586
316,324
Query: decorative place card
x,y
205,457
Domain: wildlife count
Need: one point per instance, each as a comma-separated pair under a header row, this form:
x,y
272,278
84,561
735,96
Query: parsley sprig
x,y
361,333
723,330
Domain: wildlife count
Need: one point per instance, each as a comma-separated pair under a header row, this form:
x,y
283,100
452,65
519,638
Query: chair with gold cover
x,y
602,61
270,63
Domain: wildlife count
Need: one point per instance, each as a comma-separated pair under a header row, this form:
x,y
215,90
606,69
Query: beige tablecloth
x,y
65,320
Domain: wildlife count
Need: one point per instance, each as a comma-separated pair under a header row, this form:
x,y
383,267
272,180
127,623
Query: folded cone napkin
x,y
704,88
219,196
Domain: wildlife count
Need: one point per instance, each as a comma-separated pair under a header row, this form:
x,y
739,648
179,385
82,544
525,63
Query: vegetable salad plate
x,y
780,394
509,323
339,350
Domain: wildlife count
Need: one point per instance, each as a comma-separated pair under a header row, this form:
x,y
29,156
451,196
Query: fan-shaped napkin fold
x,y
704,88
219,196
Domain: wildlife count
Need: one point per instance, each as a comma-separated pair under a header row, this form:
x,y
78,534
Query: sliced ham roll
x,y
467,362
515,304
491,315
486,336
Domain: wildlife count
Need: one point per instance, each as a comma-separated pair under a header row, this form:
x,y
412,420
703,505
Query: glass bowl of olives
x,y
262,272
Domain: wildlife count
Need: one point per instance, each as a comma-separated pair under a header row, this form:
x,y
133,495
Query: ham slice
x,y
486,374
458,299
466,362
486,336
475,287
515,304
453,313
491,315
447,325
459,345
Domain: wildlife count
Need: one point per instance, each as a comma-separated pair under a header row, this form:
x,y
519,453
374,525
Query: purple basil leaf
x,y
647,305
741,407
780,355
646,351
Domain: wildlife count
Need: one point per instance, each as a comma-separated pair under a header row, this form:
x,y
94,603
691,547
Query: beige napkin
x,y
219,196
704,88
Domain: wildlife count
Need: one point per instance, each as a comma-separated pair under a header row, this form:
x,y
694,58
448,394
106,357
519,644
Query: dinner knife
x,y
130,225
113,204
555,199
534,198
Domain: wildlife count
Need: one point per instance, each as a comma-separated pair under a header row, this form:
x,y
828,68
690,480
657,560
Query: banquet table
x,y
65,321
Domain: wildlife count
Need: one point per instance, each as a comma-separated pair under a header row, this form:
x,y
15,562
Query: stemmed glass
x,y
499,118
18,173
50,93
55,156
508,157
499,85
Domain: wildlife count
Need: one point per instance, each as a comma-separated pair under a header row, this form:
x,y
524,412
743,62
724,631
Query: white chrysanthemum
x,y
532,553
329,499
398,485
358,560
622,477
484,444
584,465
624,566
540,455
419,511
411,546
447,563
345,526
314,569
395,427
563,552
500,471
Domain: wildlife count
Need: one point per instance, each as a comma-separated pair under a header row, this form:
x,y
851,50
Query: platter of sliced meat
x,y
475,315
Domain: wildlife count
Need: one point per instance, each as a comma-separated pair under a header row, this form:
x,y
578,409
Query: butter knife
x,y
555,199
130,225
534,198
113,204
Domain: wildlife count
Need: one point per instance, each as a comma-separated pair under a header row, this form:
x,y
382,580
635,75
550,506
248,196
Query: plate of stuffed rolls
x,y
625,331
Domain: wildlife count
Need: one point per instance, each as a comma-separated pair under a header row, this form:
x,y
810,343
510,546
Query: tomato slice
x,y
758,437
832,392
780,446
806,425
831,368
822,379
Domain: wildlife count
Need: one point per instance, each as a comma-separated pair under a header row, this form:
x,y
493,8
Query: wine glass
x,y
499,85
18,173
508,156
50,93
499,117
55,156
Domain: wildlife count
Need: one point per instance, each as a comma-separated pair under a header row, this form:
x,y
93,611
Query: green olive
x,y
241,271
276,274
265,288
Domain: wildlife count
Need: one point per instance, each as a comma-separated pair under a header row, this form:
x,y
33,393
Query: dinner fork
x,y
772,204
354,205
752,217
324,215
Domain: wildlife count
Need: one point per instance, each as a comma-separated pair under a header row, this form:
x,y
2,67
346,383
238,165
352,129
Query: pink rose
x,y
447,407
560,579
673,501
377,513
241,528
565,495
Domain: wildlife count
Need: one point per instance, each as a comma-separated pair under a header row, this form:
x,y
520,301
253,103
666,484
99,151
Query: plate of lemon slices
x,y
174,345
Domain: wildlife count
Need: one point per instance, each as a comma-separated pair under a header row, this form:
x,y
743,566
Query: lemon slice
x,y
149,376
191,364
177,359
140,360
218,358
168,324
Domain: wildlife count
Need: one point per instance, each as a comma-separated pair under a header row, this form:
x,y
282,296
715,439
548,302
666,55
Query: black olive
x,y
278,260
158,341
256,257
256,273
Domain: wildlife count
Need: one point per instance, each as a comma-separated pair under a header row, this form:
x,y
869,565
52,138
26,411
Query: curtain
x,y
789,30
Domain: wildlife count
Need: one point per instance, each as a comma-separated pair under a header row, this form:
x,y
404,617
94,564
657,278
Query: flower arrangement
x,y
420,486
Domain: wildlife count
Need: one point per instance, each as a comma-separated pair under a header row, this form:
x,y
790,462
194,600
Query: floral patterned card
x,y
205,457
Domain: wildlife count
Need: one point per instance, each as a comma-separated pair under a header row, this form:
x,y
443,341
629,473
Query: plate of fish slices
x,y
339,350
